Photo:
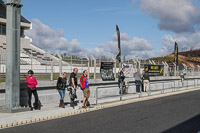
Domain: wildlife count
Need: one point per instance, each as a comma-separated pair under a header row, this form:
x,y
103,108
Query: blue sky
x,y
91,23
93,20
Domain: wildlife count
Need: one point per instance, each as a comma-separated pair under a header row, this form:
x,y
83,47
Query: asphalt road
x,y
178,114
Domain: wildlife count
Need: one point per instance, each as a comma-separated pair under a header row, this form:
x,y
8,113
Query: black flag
x,y
176,54
119,49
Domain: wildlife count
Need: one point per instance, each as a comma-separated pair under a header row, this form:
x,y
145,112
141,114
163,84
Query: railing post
x,y
163,87
178,85
88,61
60,64
198,68
115,67
185,67
94,67
140,90
167,69
174,85
149,91
139,64
51,69
96,95
121,92
175,69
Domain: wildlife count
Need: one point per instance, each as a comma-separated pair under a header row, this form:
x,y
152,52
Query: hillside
x,y
188,57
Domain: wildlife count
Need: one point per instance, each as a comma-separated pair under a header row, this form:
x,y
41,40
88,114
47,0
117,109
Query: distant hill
x,y
187,57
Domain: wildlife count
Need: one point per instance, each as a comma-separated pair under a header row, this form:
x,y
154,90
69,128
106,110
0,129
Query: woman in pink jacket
x,y
32,82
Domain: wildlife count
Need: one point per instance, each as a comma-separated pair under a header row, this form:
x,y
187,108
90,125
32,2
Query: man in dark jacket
x,y
142,86
121,82
146,81
73,83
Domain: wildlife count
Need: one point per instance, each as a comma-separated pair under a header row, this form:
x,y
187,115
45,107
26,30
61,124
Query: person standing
x,y
85,88
121,82
182,75
146,81
32,82
138,80
61,85
142,86
74,85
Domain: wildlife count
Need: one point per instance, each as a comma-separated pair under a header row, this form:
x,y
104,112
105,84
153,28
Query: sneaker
x,y
31,108
84,107
72,105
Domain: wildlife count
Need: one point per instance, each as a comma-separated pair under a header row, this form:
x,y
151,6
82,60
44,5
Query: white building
x,y
30,54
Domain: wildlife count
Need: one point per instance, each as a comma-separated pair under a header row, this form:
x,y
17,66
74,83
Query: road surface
x,y
178,114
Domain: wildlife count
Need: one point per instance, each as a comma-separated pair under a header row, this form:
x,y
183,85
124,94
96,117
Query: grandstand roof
x,y
3,13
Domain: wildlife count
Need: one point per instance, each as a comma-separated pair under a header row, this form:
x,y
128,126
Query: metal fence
x,y
173,87
50,69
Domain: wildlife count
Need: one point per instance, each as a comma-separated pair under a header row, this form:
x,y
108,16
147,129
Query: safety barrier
x,y
175,86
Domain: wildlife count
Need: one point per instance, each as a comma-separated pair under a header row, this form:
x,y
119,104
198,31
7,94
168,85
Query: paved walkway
x,y
170,114
51,111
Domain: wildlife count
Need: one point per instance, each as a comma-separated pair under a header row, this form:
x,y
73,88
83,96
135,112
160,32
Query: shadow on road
x,y
190,126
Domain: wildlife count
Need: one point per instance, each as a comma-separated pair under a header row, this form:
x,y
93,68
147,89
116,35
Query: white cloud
x,y
175,15
130,46
48,39
185,41
74,46
181,17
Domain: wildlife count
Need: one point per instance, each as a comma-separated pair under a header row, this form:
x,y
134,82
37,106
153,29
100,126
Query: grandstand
x,y
30,54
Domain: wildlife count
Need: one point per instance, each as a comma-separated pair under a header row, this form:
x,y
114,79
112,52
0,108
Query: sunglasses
x,y
29,73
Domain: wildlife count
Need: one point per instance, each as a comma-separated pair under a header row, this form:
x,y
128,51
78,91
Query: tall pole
x,y
13,54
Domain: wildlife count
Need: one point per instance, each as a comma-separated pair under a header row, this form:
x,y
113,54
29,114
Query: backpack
x,y
39,105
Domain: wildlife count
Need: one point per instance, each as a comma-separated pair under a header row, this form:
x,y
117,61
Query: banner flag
x,y
118,57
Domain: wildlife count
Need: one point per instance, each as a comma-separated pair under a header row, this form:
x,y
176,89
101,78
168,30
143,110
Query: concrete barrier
x,y
52,96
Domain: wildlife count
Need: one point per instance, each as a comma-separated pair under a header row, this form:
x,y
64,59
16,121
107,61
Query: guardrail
x,y
175,87
163,86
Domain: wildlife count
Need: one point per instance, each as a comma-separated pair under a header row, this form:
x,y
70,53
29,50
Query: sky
x,y
149,28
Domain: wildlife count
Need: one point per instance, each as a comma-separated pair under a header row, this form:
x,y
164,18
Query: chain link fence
x,y
50,69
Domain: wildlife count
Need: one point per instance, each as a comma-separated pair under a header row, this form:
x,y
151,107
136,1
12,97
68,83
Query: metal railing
x,y
174,87
163,86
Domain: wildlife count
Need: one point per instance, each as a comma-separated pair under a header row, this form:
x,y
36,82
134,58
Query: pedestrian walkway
x,y
52,111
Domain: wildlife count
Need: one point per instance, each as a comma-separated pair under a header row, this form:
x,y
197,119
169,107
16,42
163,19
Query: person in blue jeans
x,y
121,82
61,85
